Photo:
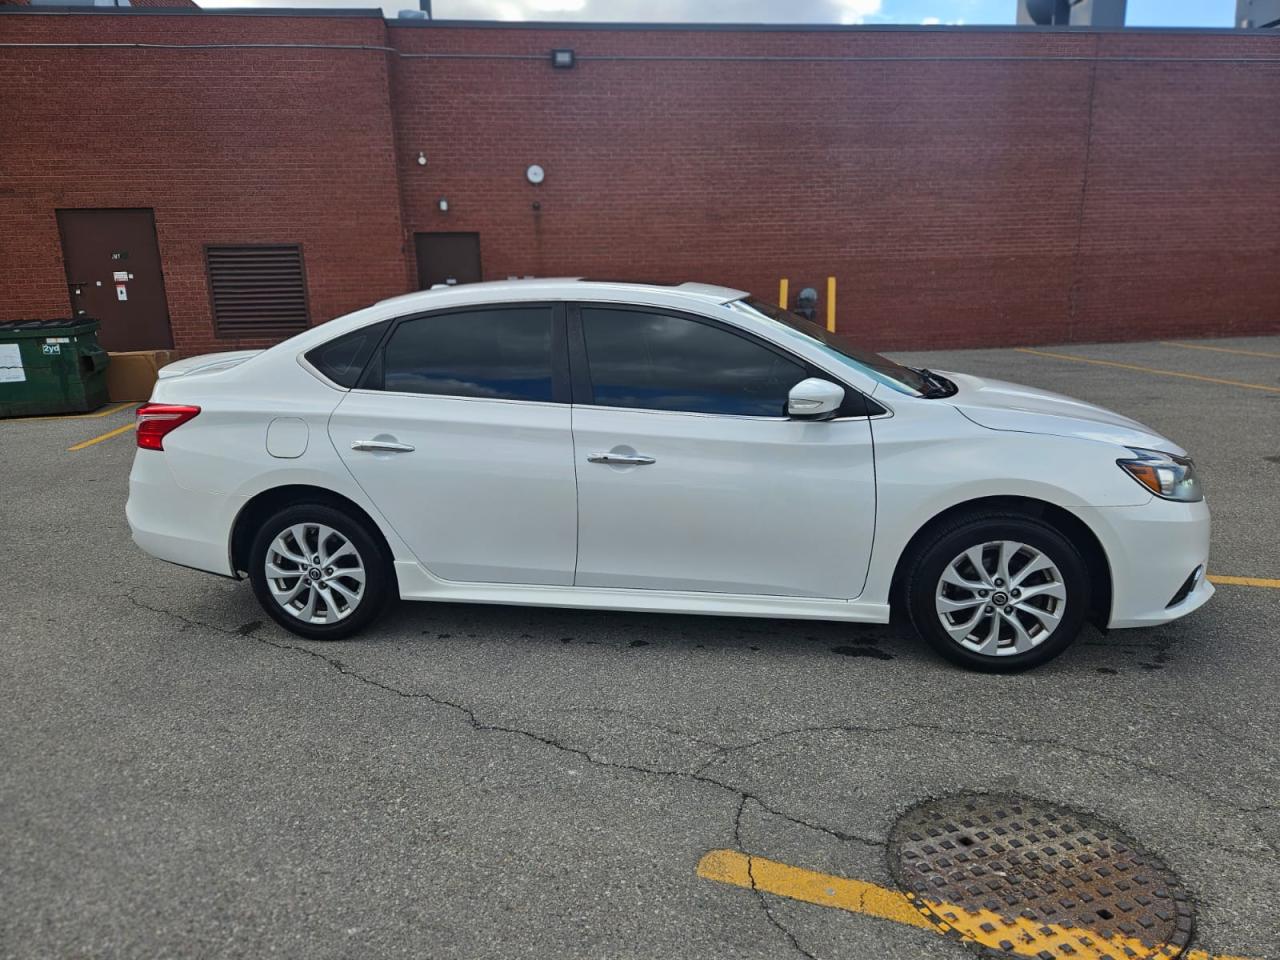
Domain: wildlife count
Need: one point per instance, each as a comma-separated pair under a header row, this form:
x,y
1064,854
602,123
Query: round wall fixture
x,y
535,173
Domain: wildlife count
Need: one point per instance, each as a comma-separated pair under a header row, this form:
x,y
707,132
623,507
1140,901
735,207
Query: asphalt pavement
x,y
181,777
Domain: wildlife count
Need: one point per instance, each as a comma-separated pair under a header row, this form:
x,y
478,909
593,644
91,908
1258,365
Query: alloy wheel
x,y
315,573
1001,598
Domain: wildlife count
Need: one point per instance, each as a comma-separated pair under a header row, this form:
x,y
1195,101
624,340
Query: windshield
x,y
900,378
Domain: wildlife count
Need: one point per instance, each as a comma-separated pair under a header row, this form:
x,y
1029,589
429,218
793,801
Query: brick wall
x,y
1043,198
227,146
1180,231
965,187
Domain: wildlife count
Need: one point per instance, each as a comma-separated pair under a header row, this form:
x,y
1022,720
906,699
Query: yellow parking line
x,y
1245,581
743,870
1134,366
1205,346
98,439
85,416
857,896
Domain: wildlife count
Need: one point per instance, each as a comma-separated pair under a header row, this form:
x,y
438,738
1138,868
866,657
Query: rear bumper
x,y
183,526
1152,550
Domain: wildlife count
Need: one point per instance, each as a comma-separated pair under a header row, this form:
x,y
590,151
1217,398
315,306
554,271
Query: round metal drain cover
x,y
1012,876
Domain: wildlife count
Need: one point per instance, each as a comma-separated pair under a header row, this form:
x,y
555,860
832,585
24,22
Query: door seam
x,y
577,499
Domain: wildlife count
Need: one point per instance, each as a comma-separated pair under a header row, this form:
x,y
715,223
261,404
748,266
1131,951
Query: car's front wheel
x,y
318,572
998,593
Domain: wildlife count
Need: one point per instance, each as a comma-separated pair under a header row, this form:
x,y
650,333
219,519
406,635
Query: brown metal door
x,y
113,270
447,258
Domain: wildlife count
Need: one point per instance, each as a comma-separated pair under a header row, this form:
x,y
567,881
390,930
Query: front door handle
x,y
621,459
382,446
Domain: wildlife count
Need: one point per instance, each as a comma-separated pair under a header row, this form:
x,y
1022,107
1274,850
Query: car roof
x,y
562,288
695,297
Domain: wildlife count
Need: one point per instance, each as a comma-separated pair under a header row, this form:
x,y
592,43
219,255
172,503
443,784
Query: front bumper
x,y
1153,549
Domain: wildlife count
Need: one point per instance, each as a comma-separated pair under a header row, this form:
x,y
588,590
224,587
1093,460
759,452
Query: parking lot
x,y
181,777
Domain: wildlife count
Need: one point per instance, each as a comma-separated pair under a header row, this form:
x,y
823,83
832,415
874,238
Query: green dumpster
x,y
51,366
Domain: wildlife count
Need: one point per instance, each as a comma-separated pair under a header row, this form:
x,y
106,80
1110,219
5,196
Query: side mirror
x,y
814,399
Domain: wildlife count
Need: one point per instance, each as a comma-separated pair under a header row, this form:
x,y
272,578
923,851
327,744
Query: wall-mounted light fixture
x,y
562,59
443,204
422,159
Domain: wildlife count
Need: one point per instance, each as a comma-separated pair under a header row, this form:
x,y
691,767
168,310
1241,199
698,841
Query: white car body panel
x,y
1010,406
487,493
755,516
206,363
416,583
736,493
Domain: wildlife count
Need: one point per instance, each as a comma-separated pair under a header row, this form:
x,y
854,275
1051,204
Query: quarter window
x,y
343,358
497,354
660,362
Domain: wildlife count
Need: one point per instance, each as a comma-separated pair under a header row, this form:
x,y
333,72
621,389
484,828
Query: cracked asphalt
x,y
180,777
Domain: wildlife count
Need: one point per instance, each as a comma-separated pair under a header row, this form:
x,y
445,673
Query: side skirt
x,y
417,584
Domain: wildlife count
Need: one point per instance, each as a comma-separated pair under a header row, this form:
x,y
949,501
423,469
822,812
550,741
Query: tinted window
x,y
902,379
661,362
342,358
502,354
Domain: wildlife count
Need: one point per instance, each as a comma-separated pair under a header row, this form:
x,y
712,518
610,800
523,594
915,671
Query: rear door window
x,y
498,353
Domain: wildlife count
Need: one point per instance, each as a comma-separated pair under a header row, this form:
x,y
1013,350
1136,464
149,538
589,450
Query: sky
x,y
1141,13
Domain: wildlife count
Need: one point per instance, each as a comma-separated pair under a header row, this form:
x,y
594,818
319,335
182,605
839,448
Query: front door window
x,y
656,361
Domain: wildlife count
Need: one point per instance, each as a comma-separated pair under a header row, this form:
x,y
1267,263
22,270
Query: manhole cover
x,y
1012,876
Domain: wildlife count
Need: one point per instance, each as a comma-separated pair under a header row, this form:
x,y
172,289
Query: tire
x,y
340,605
1053,592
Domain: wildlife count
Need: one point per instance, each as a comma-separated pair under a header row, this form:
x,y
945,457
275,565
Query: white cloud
x,y
675,11
557,6
930,22
857,11
507,11
389,7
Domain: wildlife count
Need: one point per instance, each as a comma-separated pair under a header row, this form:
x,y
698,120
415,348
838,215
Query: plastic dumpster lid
x,y
20,329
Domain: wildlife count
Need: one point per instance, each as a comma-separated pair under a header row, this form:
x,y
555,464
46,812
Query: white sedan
x,y
680,449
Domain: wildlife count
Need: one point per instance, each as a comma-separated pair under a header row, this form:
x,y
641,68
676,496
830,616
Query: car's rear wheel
x,y
998,593
318,572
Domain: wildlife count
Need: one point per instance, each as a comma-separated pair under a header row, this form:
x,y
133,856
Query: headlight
x,y
1165,475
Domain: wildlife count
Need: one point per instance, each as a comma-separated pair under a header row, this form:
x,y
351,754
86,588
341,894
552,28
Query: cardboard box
x,y
132,375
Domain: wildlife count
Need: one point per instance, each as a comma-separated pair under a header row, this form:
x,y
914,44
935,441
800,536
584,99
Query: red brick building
x,y
965,186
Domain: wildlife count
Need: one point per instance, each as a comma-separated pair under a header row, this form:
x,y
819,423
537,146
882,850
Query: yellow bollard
x,y
831,304
782,293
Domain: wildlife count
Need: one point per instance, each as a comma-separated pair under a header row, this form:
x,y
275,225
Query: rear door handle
x,y
382,446
623,459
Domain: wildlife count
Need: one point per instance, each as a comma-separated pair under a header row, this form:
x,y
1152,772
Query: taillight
x,y
157,419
